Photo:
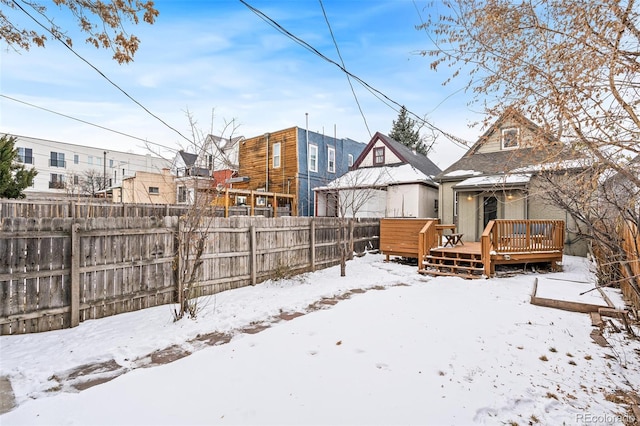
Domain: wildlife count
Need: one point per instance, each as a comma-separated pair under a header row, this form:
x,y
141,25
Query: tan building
x,y
503,176
147,188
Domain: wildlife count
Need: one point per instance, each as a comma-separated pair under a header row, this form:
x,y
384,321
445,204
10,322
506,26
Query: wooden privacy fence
x,y
78,208
631,244
56,273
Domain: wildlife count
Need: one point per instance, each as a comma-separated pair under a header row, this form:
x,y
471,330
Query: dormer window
x,y
510,138
378,156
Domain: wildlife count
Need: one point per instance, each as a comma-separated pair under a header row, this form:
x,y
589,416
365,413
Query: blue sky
x,y
219,58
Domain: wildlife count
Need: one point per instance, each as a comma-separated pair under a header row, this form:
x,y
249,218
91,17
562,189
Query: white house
x,y
387,180
63,167
196,171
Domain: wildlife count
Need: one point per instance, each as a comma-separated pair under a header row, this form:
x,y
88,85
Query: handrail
x,y
486,247
427,239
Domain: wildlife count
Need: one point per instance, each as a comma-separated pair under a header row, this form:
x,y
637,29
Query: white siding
x,y
118,165
389,156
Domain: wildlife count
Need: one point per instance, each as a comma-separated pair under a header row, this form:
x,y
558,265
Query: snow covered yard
x,y
411,350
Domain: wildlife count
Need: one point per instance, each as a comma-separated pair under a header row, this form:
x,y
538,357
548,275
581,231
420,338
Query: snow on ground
x,y
411,350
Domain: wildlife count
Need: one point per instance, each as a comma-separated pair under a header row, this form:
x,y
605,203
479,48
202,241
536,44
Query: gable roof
x,y
474,163
188,158
511,114
403,152
379,177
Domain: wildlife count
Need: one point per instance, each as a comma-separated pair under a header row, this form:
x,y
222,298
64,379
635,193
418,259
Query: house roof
x,y
547,154
188,158
371,177
500,162
511,114
403,152
494,181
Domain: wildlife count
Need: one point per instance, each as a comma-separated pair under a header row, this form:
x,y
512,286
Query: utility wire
x,y
87,122
98,71
335,43
459,141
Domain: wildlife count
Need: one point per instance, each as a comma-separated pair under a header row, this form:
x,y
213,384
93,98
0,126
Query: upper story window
x,y
57,159
99,161
154,190
110,163
89,160
350,159
331,160
510,138
378,156
76,158
276,155
313,158
25,155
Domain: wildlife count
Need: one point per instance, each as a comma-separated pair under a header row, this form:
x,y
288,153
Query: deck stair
x,y
453,263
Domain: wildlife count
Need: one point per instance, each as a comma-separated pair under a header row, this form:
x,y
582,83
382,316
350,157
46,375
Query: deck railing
x,y
504,236
430,236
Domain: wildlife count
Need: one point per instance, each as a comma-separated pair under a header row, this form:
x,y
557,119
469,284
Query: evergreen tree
x,y
14,178
404,131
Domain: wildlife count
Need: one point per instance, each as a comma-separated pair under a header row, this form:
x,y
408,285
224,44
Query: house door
x,y
490,210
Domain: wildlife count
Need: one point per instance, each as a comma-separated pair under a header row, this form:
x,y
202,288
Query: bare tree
x,y
194,234
91,183
347,198
572,66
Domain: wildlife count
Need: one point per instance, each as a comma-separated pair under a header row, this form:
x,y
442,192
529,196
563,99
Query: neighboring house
x,y
208,169
293,161
64,168
193,181
500,178
145,187
388,179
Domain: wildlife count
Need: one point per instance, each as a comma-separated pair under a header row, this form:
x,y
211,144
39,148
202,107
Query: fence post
x,y
253,256
75,275
312,239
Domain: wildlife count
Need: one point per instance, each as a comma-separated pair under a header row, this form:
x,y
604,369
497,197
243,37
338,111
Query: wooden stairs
x,y
455,263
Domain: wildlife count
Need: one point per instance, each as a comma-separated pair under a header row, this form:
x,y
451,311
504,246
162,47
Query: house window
x,y
90,159
378,156
110,163
154,190
57,159
99,161
350,160
182,194
313,158
435,205
331,160
25,155
510,138
210,162
56,181
76,159
76,180
276,155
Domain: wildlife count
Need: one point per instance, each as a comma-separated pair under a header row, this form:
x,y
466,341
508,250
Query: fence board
x,y
127,263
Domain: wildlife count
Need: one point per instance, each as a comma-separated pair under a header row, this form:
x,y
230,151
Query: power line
x,y
87,122
335,43
98,71
376,92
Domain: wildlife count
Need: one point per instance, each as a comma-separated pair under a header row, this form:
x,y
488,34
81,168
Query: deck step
x,y
467,269
464,259
447,274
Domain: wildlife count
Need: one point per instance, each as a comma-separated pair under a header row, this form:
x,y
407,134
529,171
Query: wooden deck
x,y
502,242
